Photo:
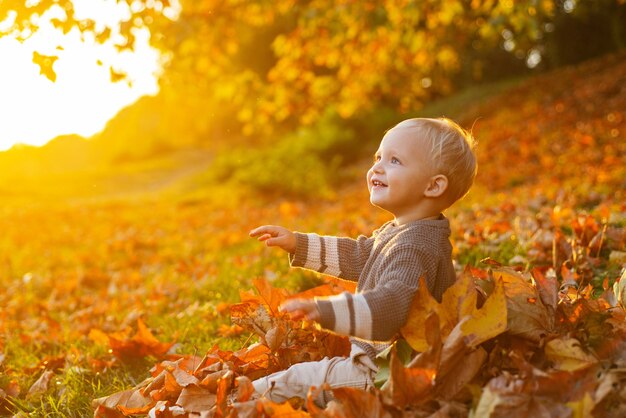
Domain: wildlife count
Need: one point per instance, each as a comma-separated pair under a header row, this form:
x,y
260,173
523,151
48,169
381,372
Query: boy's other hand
x,y
301,308
276,236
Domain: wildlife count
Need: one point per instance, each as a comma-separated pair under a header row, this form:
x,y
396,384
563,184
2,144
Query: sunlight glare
x,y
33,110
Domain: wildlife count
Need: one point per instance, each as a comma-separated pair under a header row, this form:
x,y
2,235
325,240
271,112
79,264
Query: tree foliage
x,y
285,62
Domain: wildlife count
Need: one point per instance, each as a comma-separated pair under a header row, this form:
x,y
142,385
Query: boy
x,y
422,167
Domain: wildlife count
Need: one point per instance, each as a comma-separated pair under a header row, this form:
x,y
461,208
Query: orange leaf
x,y
272,297
142,344
408,385
245,389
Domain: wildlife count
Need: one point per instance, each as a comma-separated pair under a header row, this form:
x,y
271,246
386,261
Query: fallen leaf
x,y
41,385
142,344
245,389
489,321
414,330
130,399
407,386
194,398
567,354
527,317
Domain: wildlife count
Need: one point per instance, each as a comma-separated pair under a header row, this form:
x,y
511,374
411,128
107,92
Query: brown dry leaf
x,y
527,317
183,377
275,337
458,364
211,380
567,354
131,399
548,288
504,397
489,321
41,385
195,398
358,403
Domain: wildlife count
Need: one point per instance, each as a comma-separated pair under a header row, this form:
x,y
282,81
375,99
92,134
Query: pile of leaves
x,y
500,343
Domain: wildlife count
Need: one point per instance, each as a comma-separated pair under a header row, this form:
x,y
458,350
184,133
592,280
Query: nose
x,y
377,167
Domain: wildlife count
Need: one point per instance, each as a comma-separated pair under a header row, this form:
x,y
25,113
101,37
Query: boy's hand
x,y
301,308
276,236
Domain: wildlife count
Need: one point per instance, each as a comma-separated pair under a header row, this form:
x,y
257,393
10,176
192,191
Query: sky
x,y
34,110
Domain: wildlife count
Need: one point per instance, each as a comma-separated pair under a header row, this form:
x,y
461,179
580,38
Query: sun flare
x,y
83,99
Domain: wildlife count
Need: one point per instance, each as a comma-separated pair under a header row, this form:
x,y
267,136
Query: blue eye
x,y
394,160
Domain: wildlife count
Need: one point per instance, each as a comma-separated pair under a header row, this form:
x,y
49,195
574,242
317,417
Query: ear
x,y
436,186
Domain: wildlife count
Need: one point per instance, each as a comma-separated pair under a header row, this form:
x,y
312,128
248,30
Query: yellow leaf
x,y
490,320
414,331
583,407
459,301
567,354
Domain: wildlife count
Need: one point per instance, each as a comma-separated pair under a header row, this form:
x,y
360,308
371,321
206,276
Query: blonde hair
x,y
451,151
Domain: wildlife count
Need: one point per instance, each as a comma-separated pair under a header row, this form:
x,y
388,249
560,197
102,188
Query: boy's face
x,y
401,172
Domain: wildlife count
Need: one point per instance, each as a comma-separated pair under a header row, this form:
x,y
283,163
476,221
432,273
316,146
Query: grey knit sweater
x,y
387,267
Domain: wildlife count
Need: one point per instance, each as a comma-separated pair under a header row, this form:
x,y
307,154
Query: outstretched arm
x,y
339,257
276,236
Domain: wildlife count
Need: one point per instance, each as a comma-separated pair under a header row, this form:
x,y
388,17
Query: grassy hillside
x,y
163,244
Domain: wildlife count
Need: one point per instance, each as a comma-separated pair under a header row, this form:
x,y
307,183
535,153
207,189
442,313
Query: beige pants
x,y
356,371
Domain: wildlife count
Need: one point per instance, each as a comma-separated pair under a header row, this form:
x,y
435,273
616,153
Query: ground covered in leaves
x,y
166,307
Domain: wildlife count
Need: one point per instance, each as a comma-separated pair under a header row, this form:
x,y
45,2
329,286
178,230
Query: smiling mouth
x,y
378,183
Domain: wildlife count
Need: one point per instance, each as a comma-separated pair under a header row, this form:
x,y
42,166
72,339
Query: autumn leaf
x,y
414,330
142,344
567,354
46,65
131,399
194,398
409,385
458,363
526,315
489,321
272,297
41,385
358,403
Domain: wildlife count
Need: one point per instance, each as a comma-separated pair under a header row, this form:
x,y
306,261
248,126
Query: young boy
x,y
422,167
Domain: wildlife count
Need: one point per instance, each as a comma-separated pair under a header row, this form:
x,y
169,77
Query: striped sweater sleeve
x,y
339,257
379,313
